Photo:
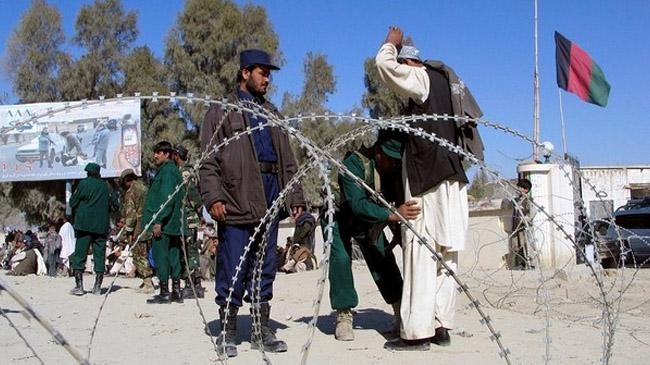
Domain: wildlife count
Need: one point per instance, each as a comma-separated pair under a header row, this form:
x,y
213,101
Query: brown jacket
x,y
232,175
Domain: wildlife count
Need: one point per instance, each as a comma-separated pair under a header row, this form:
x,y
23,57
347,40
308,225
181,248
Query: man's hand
x,y
296,211
218,211
409,210
395,36
157,230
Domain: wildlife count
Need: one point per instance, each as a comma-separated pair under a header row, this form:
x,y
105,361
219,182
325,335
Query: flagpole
x,y
536,95
562,128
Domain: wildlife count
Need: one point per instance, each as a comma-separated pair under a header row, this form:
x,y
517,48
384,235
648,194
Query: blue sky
x,y
488,43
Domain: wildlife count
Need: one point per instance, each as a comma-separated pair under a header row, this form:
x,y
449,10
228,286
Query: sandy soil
x,y
133,332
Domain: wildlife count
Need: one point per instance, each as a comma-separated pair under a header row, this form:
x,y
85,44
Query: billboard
x,y
52,141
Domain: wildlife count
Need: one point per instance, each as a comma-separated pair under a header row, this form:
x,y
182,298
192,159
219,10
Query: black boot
x,y
399,344
163,297
228,344
442,337
97,288
267,336
188,291
78,280
177,296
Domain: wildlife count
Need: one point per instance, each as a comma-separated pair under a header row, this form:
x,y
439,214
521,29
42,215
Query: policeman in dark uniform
x,y
238,184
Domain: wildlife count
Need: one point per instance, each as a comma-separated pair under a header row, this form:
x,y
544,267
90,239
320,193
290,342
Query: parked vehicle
x,y
626,241
29,151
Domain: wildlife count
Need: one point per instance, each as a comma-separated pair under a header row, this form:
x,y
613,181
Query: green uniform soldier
x,y
90,208
166,226
132,210
361,217
192,206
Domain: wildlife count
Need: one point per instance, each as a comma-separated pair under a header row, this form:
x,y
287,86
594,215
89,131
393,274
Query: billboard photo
x,y
61,143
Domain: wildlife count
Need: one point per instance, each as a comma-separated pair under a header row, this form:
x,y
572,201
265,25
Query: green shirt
x,y
163,185
358,209
90,206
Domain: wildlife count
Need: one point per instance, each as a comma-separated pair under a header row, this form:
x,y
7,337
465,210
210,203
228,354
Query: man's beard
x,y
254,90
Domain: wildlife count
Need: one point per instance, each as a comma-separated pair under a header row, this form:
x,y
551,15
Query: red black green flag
x,y
578,73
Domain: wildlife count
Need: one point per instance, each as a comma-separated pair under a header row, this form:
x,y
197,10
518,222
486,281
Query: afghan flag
x,y
578,73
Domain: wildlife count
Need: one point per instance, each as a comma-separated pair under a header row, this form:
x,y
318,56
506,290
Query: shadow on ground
x,y
365,319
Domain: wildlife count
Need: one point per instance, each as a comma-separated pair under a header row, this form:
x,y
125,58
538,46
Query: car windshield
x,y
633,221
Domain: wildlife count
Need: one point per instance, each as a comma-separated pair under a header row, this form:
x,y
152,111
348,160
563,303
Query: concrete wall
x,y
486,246
487,240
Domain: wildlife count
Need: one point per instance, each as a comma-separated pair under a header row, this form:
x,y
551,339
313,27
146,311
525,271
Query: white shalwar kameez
x,y
429,295
68,243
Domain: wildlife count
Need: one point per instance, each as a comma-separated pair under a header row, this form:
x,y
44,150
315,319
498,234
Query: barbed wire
x,y
58,337
401,123
12,325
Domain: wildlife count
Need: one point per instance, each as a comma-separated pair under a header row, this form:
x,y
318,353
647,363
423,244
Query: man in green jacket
x,y
362,217
165,217
90,207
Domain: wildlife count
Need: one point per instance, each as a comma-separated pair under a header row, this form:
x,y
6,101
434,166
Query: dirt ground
x,y
521,310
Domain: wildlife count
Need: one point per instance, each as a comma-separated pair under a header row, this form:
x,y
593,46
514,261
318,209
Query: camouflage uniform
x,y
133,205
191,207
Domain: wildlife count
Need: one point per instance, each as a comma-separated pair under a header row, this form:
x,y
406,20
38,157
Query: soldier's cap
x,y
181,151
409,52
126,173
252,57
92,168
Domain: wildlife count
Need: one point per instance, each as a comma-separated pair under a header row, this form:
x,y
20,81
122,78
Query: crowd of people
x,y
46,252
161,232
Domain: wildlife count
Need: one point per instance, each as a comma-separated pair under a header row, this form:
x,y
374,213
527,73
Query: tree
x,y
319,82
202,49
159,120
34,54
105,31
480,186
378,98
34,59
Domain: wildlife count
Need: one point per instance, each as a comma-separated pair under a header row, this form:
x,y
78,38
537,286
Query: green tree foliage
x,y
159,120
378,98
105,31
34,55
33,60
319,83
202,49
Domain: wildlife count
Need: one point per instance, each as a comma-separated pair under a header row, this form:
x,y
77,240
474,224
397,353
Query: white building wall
x,y
611,183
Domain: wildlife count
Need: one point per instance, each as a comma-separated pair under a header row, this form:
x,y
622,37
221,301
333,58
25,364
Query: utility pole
x,y
536,95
